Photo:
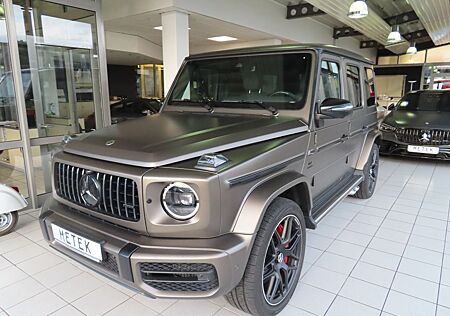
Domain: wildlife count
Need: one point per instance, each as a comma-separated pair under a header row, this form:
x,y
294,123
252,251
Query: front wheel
x,y
367,187
7,222
275,262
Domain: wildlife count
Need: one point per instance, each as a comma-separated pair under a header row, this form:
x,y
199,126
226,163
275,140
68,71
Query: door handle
x,y
45,126
344,137
364,128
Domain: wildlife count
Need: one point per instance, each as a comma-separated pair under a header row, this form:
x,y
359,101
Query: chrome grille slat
x,y
413,136
117,204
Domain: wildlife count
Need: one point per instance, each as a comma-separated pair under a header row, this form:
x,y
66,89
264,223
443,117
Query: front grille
x,y
180,277
119,196
415,136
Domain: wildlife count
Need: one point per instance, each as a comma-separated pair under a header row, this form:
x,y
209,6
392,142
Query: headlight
x,y
387,127
180,201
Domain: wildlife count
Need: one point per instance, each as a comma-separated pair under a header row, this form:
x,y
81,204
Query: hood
x,y
170,137
419,119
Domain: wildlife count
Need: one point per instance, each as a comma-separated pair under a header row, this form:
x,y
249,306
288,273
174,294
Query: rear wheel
x,y
367,187
275,262
7,222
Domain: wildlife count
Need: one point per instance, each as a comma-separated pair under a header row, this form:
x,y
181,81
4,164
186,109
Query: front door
x,y
327,160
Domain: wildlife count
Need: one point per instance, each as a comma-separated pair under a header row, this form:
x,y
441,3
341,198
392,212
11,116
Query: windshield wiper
x,y
262,105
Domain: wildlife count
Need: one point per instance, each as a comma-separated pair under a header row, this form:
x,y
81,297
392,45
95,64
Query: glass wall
x,y
57,53
151,78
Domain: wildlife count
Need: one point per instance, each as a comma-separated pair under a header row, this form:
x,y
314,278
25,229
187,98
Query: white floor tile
x,y
444,296
100,301
416,287
57,274
423,255
291,311
381,259
10,276
77,287
191,308
42,304
4,263
40,263
67,310
404,305
324,279
354,238
373,274
364,292
19,291
426,243
24,253
442,311
131,307
346,249
392,235
336,263
343,306
158,305
312,299
318,241
420,269
388,246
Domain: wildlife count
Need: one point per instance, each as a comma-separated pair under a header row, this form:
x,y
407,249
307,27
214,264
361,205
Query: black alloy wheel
x,y
282,260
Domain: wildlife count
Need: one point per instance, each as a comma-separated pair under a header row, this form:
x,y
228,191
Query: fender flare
x,y
255,204
372,137
11,200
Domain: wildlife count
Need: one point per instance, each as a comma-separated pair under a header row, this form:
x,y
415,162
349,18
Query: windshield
x,y
437,101
279,80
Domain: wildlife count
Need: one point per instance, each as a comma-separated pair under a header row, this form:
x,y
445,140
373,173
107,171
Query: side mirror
x,y
336,108
391,107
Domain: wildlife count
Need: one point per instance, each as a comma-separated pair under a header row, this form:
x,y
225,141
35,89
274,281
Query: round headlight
x,y
180,201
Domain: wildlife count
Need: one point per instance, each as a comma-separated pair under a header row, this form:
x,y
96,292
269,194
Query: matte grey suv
x,y
213,195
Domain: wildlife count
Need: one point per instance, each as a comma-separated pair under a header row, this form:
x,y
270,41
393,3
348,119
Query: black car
x,y
419,125
126,109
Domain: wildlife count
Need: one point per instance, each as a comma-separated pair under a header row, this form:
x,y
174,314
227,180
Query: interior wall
x,y
122,81
412,73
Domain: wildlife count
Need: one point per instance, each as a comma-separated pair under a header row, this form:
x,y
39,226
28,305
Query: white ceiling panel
x,y
372,26
435,17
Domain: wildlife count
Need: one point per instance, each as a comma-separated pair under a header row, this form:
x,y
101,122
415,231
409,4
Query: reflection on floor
x,y
389,254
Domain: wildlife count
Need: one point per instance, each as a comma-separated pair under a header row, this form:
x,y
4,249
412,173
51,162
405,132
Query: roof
x,y
284,48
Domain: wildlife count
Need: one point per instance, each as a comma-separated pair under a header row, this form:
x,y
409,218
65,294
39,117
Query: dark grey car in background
x,y
419,126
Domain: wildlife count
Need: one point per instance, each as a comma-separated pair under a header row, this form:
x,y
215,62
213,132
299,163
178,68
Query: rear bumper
x,y
391,146
195,268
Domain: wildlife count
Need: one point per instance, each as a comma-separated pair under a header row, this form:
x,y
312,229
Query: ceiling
x,y
201,26
434,17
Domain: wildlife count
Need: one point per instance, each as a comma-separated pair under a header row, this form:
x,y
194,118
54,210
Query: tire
x,y
367,187
7,222
249,295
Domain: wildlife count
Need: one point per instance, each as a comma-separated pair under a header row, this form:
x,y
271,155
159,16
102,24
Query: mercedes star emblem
x,y
425,138
90,189
110,142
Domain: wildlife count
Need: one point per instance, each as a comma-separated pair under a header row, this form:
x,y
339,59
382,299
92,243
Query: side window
x,y
330,84
369,83
353,86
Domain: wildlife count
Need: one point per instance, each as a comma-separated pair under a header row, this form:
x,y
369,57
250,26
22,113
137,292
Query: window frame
x,y
347,95
366,68
338,62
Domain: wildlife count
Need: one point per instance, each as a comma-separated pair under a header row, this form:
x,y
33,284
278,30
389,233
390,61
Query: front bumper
x,y
128,255
390,145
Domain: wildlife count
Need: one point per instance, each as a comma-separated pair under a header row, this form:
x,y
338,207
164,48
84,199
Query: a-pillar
x,y
175,40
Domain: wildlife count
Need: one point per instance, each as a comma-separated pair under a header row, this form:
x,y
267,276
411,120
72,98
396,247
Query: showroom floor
x,y
390,253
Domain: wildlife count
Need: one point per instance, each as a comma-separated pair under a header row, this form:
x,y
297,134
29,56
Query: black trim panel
x,y
124,261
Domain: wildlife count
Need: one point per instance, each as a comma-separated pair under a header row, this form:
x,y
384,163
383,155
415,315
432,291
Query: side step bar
x,y
333,200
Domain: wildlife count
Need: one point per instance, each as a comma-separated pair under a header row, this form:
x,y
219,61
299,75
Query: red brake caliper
x,y
280,231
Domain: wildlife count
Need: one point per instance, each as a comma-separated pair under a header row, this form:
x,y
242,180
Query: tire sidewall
x,y
262,306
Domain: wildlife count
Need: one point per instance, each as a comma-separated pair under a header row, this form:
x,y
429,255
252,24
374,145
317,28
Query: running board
x,y
319,214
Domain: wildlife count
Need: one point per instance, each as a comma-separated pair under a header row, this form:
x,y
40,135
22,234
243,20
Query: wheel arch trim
x,y
372,137
258,200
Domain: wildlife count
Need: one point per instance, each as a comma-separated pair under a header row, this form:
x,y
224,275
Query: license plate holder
x,y
423,149
79,244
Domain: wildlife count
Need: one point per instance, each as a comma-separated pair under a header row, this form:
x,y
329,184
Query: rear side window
x,y
330,84
369,83
353,85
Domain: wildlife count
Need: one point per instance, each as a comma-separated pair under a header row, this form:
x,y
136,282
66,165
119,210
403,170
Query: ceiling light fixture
x,y
412,49
358,9
395,35
222,38
159,28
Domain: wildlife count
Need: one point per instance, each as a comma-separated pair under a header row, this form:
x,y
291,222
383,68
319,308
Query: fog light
x,y
180,201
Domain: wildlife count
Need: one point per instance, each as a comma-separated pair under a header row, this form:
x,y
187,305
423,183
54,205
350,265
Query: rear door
x,y
359,90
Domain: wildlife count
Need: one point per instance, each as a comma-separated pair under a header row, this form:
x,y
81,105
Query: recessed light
x,y
222,38
159,28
